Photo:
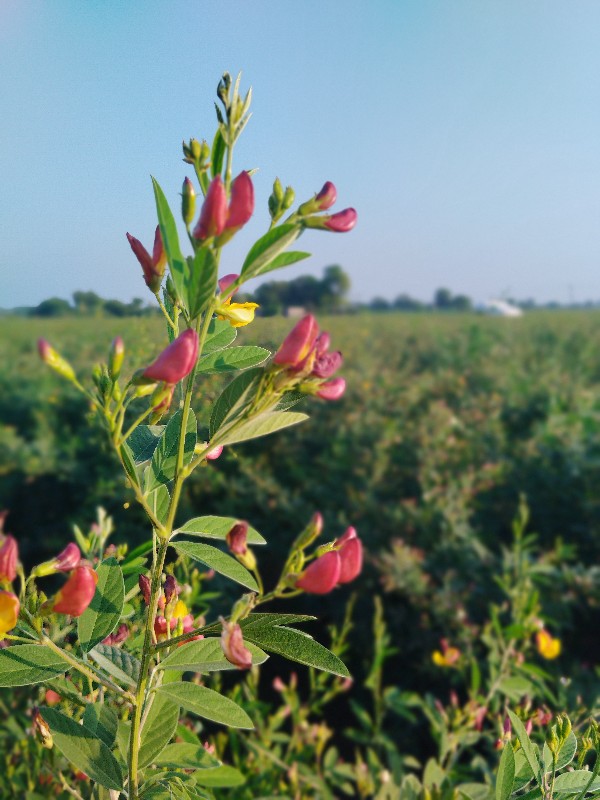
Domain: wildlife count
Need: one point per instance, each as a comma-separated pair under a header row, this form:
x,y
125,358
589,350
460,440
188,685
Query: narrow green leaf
x,y
223,777
528,749
212,527
23,664
216,559
576,781
506,773
268,247
217,154
202,280
262,619
159,501
234,358
205,655
296,646
102,721
102,615
83,749
261,425
186,756
164,460
143,441
206,703
284,260
129,464
158,728
117,662
221,334
233,399
170,237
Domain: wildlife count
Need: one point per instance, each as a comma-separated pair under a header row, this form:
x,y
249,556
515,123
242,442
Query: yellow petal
x,y
238,314
9,612
180,610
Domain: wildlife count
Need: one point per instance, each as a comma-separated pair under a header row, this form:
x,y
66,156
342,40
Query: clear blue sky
x,y
465,132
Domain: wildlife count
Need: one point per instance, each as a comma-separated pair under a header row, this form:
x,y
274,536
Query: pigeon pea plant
x,y
125,700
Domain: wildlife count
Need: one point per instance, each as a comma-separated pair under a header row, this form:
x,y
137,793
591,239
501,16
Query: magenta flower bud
x,y
241,205
153,266
342,222
332,390
327,364
213,215
76,595
317,523
351,555
327,196
9,554
322,343
298,343
322,575
507,727
144,584
236,538
226,281
68,558
115,360
528,727
176,361
213,454
171,587
232,644
118,636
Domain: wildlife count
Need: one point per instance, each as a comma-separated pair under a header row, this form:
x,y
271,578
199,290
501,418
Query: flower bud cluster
x,y
340,222
153,266
280,201
335,567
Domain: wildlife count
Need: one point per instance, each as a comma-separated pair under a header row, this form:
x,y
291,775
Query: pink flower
x,y
351,555
322,343
118,636
68,558
51,697
152,265
76,595
176,361
322,575
216,217
232,644
9,553
226,281
332,390
171,587
327,364
144,584
241,205
299,342
213,454
236,538
342,222
327,196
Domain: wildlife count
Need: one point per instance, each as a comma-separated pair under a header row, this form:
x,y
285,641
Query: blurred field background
x,y
448,419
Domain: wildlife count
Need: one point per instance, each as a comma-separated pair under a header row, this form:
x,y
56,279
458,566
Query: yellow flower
x,y
9,611
180,611
547,646
238,314
447,657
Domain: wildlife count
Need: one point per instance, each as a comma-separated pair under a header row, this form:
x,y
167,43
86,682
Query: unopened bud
x,y
278,191
171,588
42,729
55,361
115,360
310,533
288,198
144,584
232,644
188,202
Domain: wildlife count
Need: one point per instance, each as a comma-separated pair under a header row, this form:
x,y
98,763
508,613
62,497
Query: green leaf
x,y
83,749
233,359
515,687
284,260
530,752
67,690
117,662
23,664
170,237
268,247
234,399
158,729
217,154
506,773
565,756
206,703
164,460
295,645
216,559
159,501
129,464
576,781
289,400
219,336
205,655
263,619
102,721
143,441
202,280
102,615
220,777
261,425
186,756
211,527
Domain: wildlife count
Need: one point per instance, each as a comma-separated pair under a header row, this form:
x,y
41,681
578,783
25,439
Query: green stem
x,y
166,314
142,684
132,427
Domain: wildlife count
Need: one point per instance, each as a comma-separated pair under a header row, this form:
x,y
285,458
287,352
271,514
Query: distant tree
x,y
406,303
53,307
442,299
461,302
269,297
334,287
379,304
116,308
88,303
